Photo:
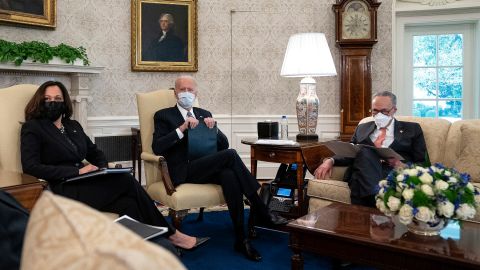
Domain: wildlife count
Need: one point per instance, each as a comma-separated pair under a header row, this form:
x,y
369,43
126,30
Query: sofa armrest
x,y
161,164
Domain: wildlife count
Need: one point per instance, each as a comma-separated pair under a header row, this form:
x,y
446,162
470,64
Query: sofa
x,y
454,144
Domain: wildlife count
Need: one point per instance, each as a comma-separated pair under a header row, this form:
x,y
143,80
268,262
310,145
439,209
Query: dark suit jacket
x,y
48,155
408,141
13,224
166,142
171,48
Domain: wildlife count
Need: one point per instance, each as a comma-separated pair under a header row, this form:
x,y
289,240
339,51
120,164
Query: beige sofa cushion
x,y
469,158
454,140
65,234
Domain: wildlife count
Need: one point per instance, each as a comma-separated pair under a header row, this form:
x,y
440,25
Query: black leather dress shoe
x,y
198,242
246,248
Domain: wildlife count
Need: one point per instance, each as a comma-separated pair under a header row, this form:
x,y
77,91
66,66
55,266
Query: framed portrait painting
x,y
164,35
35,13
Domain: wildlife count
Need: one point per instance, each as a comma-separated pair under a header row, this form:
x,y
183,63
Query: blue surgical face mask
x,y
186,99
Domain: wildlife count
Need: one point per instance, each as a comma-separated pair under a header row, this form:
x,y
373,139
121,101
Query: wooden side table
x,y
136,152
286,154
25,188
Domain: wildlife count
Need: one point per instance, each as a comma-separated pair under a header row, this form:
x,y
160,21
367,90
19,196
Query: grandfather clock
x,y
356,33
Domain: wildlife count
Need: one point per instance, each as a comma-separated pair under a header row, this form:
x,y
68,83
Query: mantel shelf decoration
x,y
426,198
41,52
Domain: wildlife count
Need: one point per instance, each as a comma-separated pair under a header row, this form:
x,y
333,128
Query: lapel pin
x,y
401,130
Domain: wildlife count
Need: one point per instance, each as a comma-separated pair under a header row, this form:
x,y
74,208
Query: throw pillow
x,y
469,158
66,234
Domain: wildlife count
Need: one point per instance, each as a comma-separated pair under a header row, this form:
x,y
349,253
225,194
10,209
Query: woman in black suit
x,y
53,148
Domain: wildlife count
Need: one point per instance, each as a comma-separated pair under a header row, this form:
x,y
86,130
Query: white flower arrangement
x,y
427,194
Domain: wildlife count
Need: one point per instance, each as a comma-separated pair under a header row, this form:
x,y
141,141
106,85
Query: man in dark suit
x,y
166,46
367,168
13,224
224,167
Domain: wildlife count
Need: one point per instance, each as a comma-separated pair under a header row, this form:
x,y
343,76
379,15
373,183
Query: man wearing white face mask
x,y
224,167
366,169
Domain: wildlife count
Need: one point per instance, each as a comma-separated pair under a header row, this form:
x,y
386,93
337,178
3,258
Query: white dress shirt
x,y
184,114
388,136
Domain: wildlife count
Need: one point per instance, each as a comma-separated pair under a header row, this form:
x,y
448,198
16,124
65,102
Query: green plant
x,y
40,52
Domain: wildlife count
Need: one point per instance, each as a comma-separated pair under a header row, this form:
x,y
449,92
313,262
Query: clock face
x,y
356,21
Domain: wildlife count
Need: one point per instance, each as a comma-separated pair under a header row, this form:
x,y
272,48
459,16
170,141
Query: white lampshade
x,y
308,55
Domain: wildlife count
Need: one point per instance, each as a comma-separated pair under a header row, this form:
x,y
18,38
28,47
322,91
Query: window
x,y
438,71
437,75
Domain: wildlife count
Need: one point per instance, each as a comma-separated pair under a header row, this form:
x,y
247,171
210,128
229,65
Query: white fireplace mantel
x,y
79,78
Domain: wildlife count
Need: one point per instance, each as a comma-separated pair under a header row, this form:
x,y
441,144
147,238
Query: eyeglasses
x,y
382,111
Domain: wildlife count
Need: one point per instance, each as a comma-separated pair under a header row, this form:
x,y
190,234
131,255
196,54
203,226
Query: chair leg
x,y
200,214
177,217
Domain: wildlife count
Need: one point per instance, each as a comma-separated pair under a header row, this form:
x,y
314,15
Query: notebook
x,y
100,172
144,230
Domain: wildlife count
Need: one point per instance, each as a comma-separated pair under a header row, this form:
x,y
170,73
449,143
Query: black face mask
x,y
53,110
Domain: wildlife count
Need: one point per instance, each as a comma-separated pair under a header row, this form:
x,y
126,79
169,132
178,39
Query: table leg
x,y
253,162
297,260
301,196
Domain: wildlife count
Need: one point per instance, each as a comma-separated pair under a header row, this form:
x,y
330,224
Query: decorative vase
x,y
307,110
427,228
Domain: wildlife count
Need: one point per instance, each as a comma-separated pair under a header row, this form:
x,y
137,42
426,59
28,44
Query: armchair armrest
x,y
161,164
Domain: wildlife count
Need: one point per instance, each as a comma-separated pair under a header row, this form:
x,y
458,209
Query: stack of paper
x,y
276,142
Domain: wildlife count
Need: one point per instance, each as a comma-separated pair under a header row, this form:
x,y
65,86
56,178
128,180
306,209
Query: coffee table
x,y
365,236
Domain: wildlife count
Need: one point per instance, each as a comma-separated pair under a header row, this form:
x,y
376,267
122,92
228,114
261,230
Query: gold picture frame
x,y
164,35
36,13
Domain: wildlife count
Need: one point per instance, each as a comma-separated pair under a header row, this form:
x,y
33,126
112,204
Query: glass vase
x,y
427,228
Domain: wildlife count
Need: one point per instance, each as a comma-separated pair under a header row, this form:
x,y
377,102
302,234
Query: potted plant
x,y
41,52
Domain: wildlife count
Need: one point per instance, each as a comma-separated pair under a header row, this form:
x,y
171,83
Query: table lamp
x,y
307,56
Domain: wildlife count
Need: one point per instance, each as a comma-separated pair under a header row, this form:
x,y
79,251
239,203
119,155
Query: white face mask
x,y
186,99
382,120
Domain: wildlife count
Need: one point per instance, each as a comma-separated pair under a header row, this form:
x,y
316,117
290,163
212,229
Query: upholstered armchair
x,y
181,198
12,105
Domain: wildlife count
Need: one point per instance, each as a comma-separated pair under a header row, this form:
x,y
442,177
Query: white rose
x,y
393,203
477,200
408,194
447,173
471,187
465,211
424,214
380,205
446,209
406,214
434,169
452,180
382,183
400,177
426,178
401,186
427,190
441,185
412,172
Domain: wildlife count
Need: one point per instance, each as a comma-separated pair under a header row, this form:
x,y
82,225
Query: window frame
x,y
402,86
467,31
